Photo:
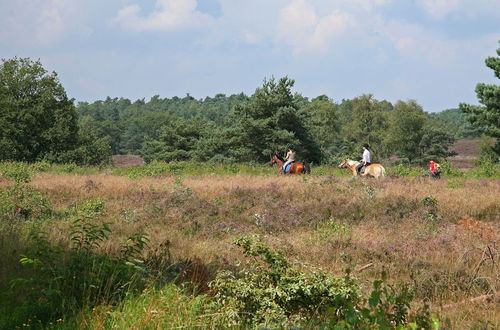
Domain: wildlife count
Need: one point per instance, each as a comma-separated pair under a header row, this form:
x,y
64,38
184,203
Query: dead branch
x,y
359,270
483,299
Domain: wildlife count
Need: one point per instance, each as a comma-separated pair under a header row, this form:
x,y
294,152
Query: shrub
x,y
17,171
57,281
403,170
387,307
275,293
449,170
24,201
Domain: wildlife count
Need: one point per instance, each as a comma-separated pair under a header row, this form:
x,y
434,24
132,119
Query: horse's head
x,y
344,164
273,159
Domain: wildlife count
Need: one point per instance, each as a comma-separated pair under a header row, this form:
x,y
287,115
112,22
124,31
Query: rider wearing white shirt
x,y
366,158
290,157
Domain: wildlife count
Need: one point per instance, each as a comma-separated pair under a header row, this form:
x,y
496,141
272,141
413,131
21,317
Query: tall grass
x,y
407,226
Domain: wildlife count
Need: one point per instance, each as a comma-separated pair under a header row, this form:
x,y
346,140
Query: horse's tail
x,y
307,168
382,171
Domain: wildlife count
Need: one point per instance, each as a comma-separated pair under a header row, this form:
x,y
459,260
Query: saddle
x,y
363,168
288,167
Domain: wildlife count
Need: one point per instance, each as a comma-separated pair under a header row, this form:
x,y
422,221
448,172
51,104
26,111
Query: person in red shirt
x,y
435,169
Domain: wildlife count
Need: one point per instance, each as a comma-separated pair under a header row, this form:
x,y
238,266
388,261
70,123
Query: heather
x,y
243,247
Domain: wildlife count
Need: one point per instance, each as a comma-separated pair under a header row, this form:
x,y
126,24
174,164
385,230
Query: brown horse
x,y
374,170
295,168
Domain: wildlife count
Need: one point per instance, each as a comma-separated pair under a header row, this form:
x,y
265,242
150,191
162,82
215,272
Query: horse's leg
x,y
354,171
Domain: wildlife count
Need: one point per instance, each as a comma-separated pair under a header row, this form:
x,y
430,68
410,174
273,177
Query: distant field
x,y
127,160
467,151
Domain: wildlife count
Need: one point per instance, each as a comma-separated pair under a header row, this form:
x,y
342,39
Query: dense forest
x,y
248,128
40,122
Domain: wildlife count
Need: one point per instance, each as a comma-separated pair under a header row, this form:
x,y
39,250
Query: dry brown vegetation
x,y
441,239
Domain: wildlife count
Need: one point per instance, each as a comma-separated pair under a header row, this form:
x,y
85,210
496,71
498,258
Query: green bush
x,y
24,201
275,293
387,307
448,170
57,281
17,171
403,170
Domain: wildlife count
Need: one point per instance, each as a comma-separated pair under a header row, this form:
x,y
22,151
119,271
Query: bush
x,y
388,307
17,171
24,201
276,293
403,170
58,281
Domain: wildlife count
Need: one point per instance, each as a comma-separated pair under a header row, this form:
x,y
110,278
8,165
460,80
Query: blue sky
x,y
432,51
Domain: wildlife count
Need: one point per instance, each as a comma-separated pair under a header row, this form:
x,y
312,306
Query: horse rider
x,y
366,158
290,157
435,169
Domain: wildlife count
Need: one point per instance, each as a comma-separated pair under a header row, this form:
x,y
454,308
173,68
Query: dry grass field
x,y
441,237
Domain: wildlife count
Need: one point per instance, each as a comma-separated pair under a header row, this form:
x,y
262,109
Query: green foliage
x,y
404,170
388,307
321,118
269,123
178,141
38,121
448,170
488,163
133,247
456,121
56,281
275,293
87,236
37,117
19,172
367,125
25,202
406,129
487,116
168,307
435,144
333,230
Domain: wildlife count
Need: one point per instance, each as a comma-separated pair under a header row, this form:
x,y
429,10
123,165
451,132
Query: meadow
x,y
185,245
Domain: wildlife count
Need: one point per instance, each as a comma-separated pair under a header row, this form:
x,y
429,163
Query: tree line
x,y
39,122
250,128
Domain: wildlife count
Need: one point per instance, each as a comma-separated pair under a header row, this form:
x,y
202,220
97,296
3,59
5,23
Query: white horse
x,y
374,170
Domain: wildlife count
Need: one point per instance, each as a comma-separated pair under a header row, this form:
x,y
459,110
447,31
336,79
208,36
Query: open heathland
x,y
99,249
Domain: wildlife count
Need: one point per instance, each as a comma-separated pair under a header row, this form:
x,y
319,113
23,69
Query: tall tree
x,y
367,125
271,122
323,123
39,122
178,141
36,116
488,115
406,122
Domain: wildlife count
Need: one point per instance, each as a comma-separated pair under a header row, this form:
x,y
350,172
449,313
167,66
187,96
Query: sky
x,y
432,51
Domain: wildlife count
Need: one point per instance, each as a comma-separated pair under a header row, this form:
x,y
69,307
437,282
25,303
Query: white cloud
x,y
296,22
463,9
413,41
439,9
370,4
252,38
51,25
330,28
38,23
168,15
301,27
